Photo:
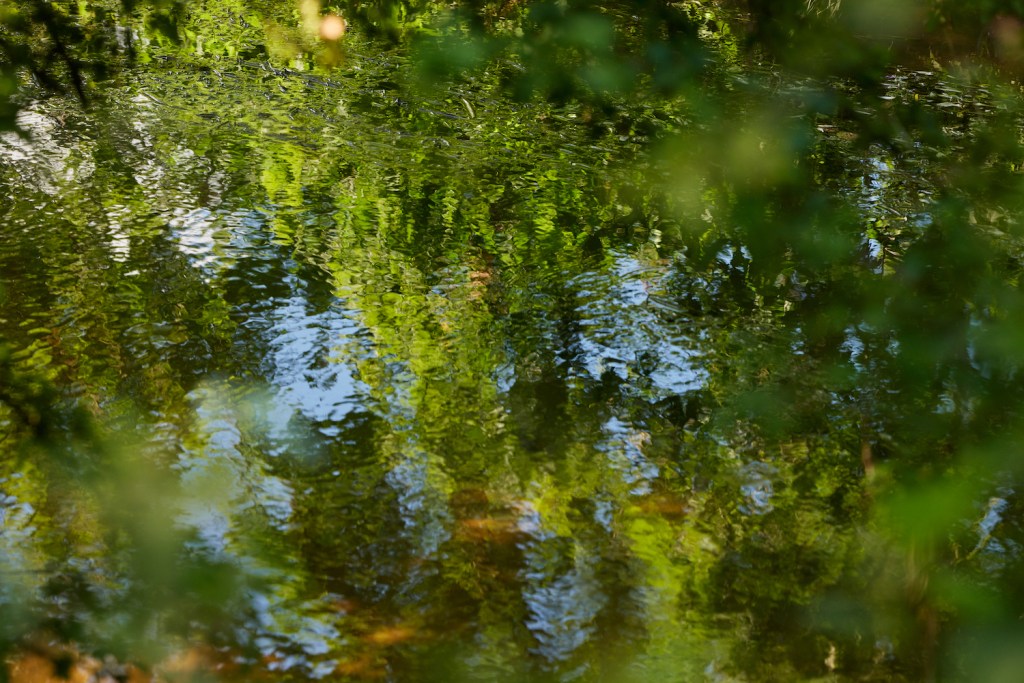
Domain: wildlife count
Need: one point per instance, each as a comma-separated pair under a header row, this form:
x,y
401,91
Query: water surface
x,y
431,372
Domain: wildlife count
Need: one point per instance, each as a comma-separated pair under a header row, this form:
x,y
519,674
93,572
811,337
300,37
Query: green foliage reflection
x,y
559,340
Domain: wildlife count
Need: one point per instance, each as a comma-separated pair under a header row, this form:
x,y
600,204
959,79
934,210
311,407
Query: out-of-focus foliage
x,y
88,553
700,355
64,45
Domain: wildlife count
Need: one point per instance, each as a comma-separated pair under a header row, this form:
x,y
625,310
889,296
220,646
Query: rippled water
x,y
429,377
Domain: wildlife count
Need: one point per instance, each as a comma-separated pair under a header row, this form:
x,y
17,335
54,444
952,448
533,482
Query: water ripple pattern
x,y
621,332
